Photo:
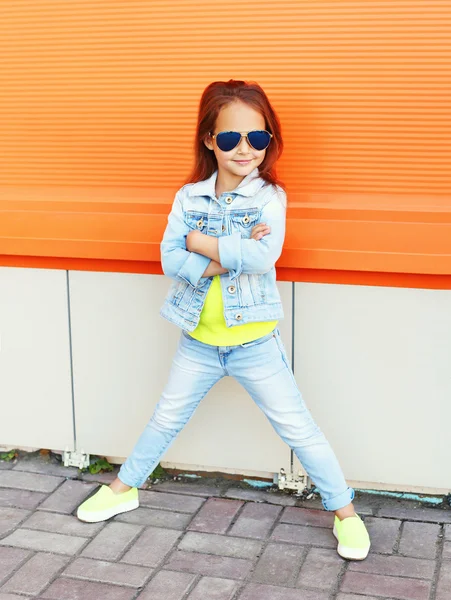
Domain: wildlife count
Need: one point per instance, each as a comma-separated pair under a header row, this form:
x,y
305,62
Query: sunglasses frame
x,y
243,134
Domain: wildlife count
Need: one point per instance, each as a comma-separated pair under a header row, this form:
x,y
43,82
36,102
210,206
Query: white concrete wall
x,y
373,364
35,374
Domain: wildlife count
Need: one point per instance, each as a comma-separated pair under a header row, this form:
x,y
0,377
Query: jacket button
x,y
223,228
229,199
238,317
231,289
200,224
246,220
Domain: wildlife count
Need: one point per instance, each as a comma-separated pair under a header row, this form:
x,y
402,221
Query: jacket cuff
x,y
229,248
193,268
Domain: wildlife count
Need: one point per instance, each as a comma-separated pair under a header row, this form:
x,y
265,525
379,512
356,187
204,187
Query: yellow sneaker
x,y
353,539
105,504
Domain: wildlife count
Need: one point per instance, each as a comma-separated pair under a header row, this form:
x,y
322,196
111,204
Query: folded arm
x,y
177,261
251,256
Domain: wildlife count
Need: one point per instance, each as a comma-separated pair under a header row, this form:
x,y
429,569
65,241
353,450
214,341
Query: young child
x,y
224,234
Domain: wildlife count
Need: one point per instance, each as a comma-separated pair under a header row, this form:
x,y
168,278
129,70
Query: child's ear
x,y
208,142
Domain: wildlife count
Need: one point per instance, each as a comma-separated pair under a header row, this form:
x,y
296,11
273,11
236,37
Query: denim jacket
x,y
249,288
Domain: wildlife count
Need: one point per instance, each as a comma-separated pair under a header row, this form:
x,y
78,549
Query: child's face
x,y
238,116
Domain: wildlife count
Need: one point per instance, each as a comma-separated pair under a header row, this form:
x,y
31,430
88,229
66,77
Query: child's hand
x,y
192,239
259,231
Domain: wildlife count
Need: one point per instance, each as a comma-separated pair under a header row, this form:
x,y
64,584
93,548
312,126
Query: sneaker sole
x,y
351,553
107,514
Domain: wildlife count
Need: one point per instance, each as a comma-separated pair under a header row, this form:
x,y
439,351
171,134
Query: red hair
x,y
216,96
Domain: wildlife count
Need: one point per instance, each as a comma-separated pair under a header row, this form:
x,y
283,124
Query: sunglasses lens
x,y
228,140
259,140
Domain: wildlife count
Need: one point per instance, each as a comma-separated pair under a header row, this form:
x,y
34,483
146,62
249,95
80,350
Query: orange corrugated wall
x,y
104,95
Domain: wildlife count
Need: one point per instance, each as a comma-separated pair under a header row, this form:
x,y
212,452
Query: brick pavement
x,y
196,541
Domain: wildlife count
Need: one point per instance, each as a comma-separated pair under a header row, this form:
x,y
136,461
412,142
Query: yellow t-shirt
x,y
212,328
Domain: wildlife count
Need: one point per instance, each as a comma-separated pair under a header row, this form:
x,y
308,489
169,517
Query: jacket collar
x,y
248,187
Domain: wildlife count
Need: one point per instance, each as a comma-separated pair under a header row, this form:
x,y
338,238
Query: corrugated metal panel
x,y
105,93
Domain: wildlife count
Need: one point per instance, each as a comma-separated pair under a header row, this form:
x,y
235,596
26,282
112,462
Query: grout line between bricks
x,y
18,524
336,588
72,559
24,562
236,516
438,562
297,572
191,587
397,542
169,554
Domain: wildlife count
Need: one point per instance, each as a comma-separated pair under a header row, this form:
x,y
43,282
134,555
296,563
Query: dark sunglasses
x,y
228,140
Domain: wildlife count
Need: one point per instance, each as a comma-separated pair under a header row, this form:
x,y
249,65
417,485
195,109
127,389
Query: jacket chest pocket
x,y
244,221
196,220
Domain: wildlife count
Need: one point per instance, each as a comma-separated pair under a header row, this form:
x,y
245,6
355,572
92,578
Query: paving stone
x,y
305,516
255,521
209,565
157,518
256,591
112,541
281,499
419,540
279,564
314,503
221,545
35,574
44,467
298,534
43,541
443,591
10,597
213,588
166,501
29,481
108,572
215,516
65,524
10,518
398,566
247,495
5,465
383,534
76,589
10,560
189,489
168,585
364,507
448,532
430,515
11,498
105,478
271,497
151,547
321,569
401,588
68,496
446,551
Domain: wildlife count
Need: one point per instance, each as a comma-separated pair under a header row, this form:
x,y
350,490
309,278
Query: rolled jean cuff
x,y
339,501
124,477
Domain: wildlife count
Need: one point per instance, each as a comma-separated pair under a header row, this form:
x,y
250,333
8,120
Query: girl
x,y
224,234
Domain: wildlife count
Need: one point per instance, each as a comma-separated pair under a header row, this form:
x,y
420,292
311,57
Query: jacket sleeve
x,y
177,262
249,256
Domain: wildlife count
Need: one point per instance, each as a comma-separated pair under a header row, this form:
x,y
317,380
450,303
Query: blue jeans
x,y
262,368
